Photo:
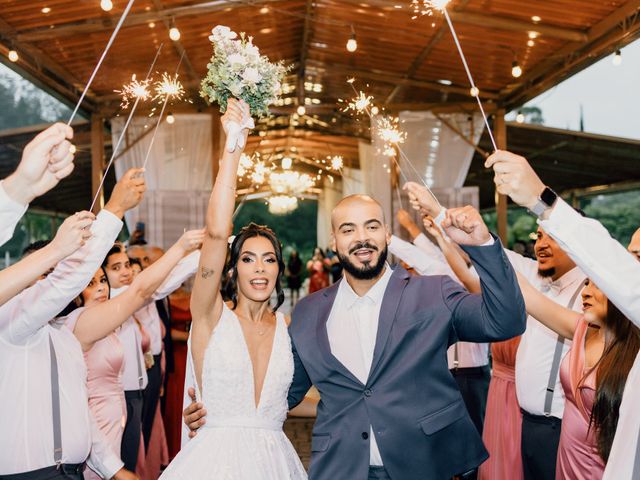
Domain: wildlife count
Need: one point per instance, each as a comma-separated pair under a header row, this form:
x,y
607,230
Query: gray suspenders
x,y
138,346
557,358
456,360
55,405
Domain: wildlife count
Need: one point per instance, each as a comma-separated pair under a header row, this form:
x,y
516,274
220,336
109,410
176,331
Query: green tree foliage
x,y
618,212
23,104
297,230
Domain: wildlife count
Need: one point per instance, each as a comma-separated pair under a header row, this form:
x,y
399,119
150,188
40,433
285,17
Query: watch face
x,y
548,196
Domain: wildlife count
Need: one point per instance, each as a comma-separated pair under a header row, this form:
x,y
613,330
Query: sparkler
x,y
428,6
134,90
337,162
169,87
104,54
126,125
393,138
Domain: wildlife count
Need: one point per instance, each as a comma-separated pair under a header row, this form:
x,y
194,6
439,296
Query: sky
x,y
609,95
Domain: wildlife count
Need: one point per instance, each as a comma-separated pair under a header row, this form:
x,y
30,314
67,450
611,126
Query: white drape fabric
x,y
178,173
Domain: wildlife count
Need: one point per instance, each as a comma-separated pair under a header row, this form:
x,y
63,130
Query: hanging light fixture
x,y
13,55
282,204
106,5
516,69
286,163
171,119
174,33
617,58
352,43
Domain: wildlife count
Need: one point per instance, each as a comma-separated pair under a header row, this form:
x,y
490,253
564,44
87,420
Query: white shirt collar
x,y
374,295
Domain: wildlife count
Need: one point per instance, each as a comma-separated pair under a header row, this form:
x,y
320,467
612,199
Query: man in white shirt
x,y
44,412
607,264
468,362
46,160
135,378
374,346
538,387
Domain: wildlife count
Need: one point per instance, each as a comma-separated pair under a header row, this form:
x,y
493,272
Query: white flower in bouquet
x,y
251,76
237,61
238,70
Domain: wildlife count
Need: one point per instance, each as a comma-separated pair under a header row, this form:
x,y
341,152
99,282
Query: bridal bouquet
x,y
238,70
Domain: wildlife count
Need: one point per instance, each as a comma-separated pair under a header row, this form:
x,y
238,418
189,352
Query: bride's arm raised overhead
x,y
206,300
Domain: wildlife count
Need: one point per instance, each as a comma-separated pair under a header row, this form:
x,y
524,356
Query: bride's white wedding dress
x,y
239,440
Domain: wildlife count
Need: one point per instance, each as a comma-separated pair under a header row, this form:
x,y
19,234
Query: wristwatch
x,y
546,200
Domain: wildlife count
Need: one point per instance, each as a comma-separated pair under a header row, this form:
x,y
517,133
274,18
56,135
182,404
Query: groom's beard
x,y
368,271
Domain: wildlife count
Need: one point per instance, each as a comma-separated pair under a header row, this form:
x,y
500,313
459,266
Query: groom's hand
x,y
194,414
465,226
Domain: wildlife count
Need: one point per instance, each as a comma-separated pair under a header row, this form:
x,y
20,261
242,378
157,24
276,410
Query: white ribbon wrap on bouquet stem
x,y
235,138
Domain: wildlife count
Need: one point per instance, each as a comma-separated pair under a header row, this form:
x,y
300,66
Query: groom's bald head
x,y
356,206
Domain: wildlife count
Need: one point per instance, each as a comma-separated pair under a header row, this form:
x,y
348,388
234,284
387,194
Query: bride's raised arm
x,y
206,301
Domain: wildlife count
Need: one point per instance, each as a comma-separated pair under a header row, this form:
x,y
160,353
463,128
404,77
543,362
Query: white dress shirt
x,y
10,214
129,333
427,259
149,316
25,368
352,328
537,346
616,272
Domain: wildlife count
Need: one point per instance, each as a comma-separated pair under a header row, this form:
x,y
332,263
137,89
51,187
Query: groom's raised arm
x,y
498,312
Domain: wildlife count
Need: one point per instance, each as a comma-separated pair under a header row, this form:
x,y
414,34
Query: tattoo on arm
x,y
207,272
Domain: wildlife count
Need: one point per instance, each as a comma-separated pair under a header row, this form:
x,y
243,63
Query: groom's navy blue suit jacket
x,y
410,398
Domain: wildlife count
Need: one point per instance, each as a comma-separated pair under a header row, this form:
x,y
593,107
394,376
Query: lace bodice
x,y
227,375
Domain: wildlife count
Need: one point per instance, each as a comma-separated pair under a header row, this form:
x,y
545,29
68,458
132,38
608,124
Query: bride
x,y
241,350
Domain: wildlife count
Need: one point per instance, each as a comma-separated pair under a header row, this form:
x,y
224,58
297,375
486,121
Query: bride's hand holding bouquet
x,y
238,70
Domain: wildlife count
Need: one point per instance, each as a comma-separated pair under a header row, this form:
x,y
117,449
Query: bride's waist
x,y
244,422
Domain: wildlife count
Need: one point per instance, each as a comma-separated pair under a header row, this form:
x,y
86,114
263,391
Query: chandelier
x,y
282,204
290,183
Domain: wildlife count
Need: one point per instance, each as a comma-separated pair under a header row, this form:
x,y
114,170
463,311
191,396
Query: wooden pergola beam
x,y
392,78
167,14
496,21
38,67
618,29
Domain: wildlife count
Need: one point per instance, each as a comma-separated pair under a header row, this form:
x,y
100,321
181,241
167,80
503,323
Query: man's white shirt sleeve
x,y
10,214
602,258
35,306
184,269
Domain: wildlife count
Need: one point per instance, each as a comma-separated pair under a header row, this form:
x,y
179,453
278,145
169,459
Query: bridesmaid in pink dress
x,y
503,420
593,376
106,395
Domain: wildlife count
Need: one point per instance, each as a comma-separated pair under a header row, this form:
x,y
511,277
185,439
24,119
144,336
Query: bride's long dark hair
x,y
230,288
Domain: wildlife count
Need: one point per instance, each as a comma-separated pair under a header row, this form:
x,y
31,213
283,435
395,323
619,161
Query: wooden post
x,y
218,139
97,160
500,132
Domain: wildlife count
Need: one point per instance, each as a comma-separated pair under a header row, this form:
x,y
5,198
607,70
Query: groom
x,y
375,346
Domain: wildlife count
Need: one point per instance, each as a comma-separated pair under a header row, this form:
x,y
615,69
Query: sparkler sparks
x,y
359,104
169,87
337,162
134,90
388,131
427,7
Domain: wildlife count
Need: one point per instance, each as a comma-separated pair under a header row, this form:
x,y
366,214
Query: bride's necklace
x,y
264,329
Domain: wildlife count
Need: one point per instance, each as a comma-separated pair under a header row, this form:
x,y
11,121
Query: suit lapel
x,y
390,303
326,301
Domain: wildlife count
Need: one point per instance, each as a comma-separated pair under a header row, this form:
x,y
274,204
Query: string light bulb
x,y
352,43
617,58
106,5
171,119
516,69
174,34
286,163
301,110
13,55
520,117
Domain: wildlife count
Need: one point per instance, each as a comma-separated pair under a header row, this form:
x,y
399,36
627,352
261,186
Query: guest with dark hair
x,y
593,375
94,321
318,268
294,276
